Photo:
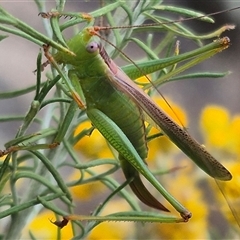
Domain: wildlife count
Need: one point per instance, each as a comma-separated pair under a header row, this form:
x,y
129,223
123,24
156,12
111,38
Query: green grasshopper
x,y
116,106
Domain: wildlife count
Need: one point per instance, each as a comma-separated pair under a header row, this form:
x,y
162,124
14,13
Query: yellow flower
x,y
94,145
220,130
182,184
42,228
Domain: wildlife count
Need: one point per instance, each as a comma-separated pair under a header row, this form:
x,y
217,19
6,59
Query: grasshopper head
x,y
84,45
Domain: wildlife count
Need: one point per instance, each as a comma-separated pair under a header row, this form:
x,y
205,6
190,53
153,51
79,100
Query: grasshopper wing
x,y
176,134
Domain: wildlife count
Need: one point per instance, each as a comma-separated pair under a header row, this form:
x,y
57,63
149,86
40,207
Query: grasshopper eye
x,y
92,47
